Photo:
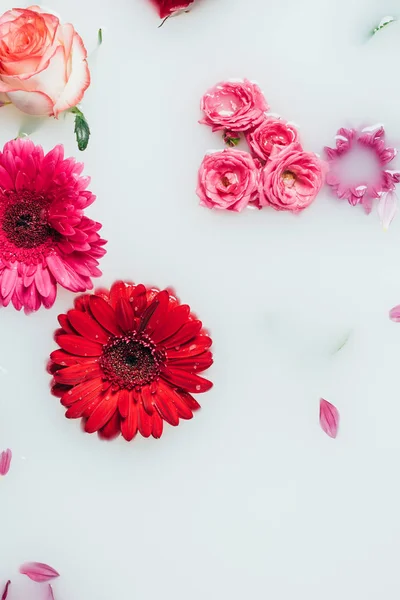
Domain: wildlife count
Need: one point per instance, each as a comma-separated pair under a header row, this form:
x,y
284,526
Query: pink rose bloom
x,y
271,137
233,105
292,180
43,66
228,180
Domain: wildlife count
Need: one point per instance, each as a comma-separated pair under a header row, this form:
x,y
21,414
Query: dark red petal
x,y
157,426
125,316
129,426
78,345
92,387
165,407
77,373
5,592
124,401
187,332
158,315
59,390
190,401
118,290
148,399
82,302
144,421
87,409
64,359
172,323
182,408
185,380
198,345
104,314
147,314
138,299
84,324
102,413
112,429
194,364
65,324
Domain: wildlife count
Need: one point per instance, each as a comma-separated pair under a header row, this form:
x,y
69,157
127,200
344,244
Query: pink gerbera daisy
x,y
45,238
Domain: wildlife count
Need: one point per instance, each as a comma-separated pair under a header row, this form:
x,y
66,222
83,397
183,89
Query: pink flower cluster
x,y
277,172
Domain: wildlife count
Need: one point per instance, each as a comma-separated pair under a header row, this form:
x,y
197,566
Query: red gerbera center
x,y
130,359
131,362
25,220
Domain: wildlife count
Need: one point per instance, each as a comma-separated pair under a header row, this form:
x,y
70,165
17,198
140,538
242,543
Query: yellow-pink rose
x,y
43,66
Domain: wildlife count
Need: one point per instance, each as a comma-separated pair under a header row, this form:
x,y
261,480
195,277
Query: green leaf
x,y
100,37
82,129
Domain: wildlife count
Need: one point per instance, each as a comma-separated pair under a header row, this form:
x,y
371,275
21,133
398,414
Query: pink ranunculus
x,y
292,180
228,180
270,137
234,105
43,66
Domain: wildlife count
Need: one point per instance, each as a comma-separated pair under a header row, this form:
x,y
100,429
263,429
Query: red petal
x,y
194,364
38,572
102,413
64,322
185,380
118,290
144,421
165,407
158,315
112,429
147,314
124,401
197,346
77,373
90,388
172,323
190,401
84,324
64,359
104,314
78,345
157,427
328,418
85,406
138,299
125,316
129,426
148,399
185,334
182,408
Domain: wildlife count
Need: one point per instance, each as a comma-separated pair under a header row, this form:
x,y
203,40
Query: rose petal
x,y
38,572
5,461
328,418
394,314
387,208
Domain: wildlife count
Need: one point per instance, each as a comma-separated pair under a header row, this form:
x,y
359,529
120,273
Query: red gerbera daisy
x,y
129,359
45,238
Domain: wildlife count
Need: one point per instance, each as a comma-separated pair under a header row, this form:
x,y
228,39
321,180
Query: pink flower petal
x,y
394,314
5,593
50,595
5,461
328,418
387,208
38,572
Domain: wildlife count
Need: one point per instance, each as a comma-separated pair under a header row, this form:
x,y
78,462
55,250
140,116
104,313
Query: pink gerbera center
x,y
131,360
24,221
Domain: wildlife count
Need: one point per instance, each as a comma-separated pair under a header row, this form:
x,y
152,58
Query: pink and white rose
x,y
292,180
233,105
43,66
228,180
270,137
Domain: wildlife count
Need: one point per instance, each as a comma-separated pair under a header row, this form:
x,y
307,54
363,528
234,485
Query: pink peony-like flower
x,y
228,180
45,238
233,105
292,180
43,66
270,137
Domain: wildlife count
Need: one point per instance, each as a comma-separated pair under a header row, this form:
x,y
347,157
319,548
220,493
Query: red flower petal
x,y
195,364
197,346
190,401
165,407
138,299
84,324
5,461
182,408
102,413
64,359
328,418
112,429
65,324
185,334
144,421
118,291
78,345
173,322
157,427
187,381
78,373
148,399
79,392
124,400
125,316
5,592
38,572
162,299
129,425
104,314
